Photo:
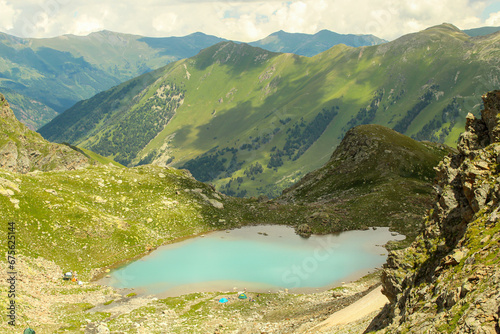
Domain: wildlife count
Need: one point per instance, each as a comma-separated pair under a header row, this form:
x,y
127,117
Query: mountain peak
x,y
198,34
326,33
444,26
447,29
105,33
371,160
444,32
229,52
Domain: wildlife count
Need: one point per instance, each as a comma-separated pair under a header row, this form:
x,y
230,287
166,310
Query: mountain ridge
x,y
481,31
311,44
283,111
33,75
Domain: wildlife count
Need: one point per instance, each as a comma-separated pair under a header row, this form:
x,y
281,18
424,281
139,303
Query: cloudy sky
x,y
243,20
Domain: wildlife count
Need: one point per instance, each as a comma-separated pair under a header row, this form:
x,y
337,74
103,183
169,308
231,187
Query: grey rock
x,y
458,256
475,136
103,329
216,204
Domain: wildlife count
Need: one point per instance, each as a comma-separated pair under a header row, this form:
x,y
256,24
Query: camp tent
x,y
67,276
242,295
223,300
28,331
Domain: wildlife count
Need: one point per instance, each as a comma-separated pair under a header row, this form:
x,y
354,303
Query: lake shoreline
x,y
104,270
273,235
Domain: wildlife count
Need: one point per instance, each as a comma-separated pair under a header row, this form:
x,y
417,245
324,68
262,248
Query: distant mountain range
x,y
483,31
253,121
311,45
43,77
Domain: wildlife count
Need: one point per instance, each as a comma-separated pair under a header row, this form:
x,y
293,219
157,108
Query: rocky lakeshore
x,y
51,305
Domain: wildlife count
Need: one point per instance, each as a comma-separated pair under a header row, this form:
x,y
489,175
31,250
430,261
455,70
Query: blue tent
x,y
223,300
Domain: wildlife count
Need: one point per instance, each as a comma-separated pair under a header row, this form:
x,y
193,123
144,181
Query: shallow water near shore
x,y
257,258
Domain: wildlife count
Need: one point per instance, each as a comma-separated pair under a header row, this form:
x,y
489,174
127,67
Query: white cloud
x,y
494,19
7,16
165,23
237,19
84,25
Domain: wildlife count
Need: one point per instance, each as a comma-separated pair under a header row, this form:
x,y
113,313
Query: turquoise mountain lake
x,y
259,258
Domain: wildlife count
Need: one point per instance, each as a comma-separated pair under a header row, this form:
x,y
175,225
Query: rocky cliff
x,y
23,150
448,280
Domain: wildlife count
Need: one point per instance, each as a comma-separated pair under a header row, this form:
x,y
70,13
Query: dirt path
x,y
373,301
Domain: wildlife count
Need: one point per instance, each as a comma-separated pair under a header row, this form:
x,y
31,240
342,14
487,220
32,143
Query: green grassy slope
x,y
233,106
376,176
98,216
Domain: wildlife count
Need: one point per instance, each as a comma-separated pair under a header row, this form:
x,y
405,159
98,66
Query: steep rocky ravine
x,y
448,280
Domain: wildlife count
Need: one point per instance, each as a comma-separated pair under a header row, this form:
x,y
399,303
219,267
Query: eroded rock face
x,y
448,280
490,115
24,150
5,111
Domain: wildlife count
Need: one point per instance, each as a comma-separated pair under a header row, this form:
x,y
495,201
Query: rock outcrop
x,y
23,150
5,111
370,174
448,280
